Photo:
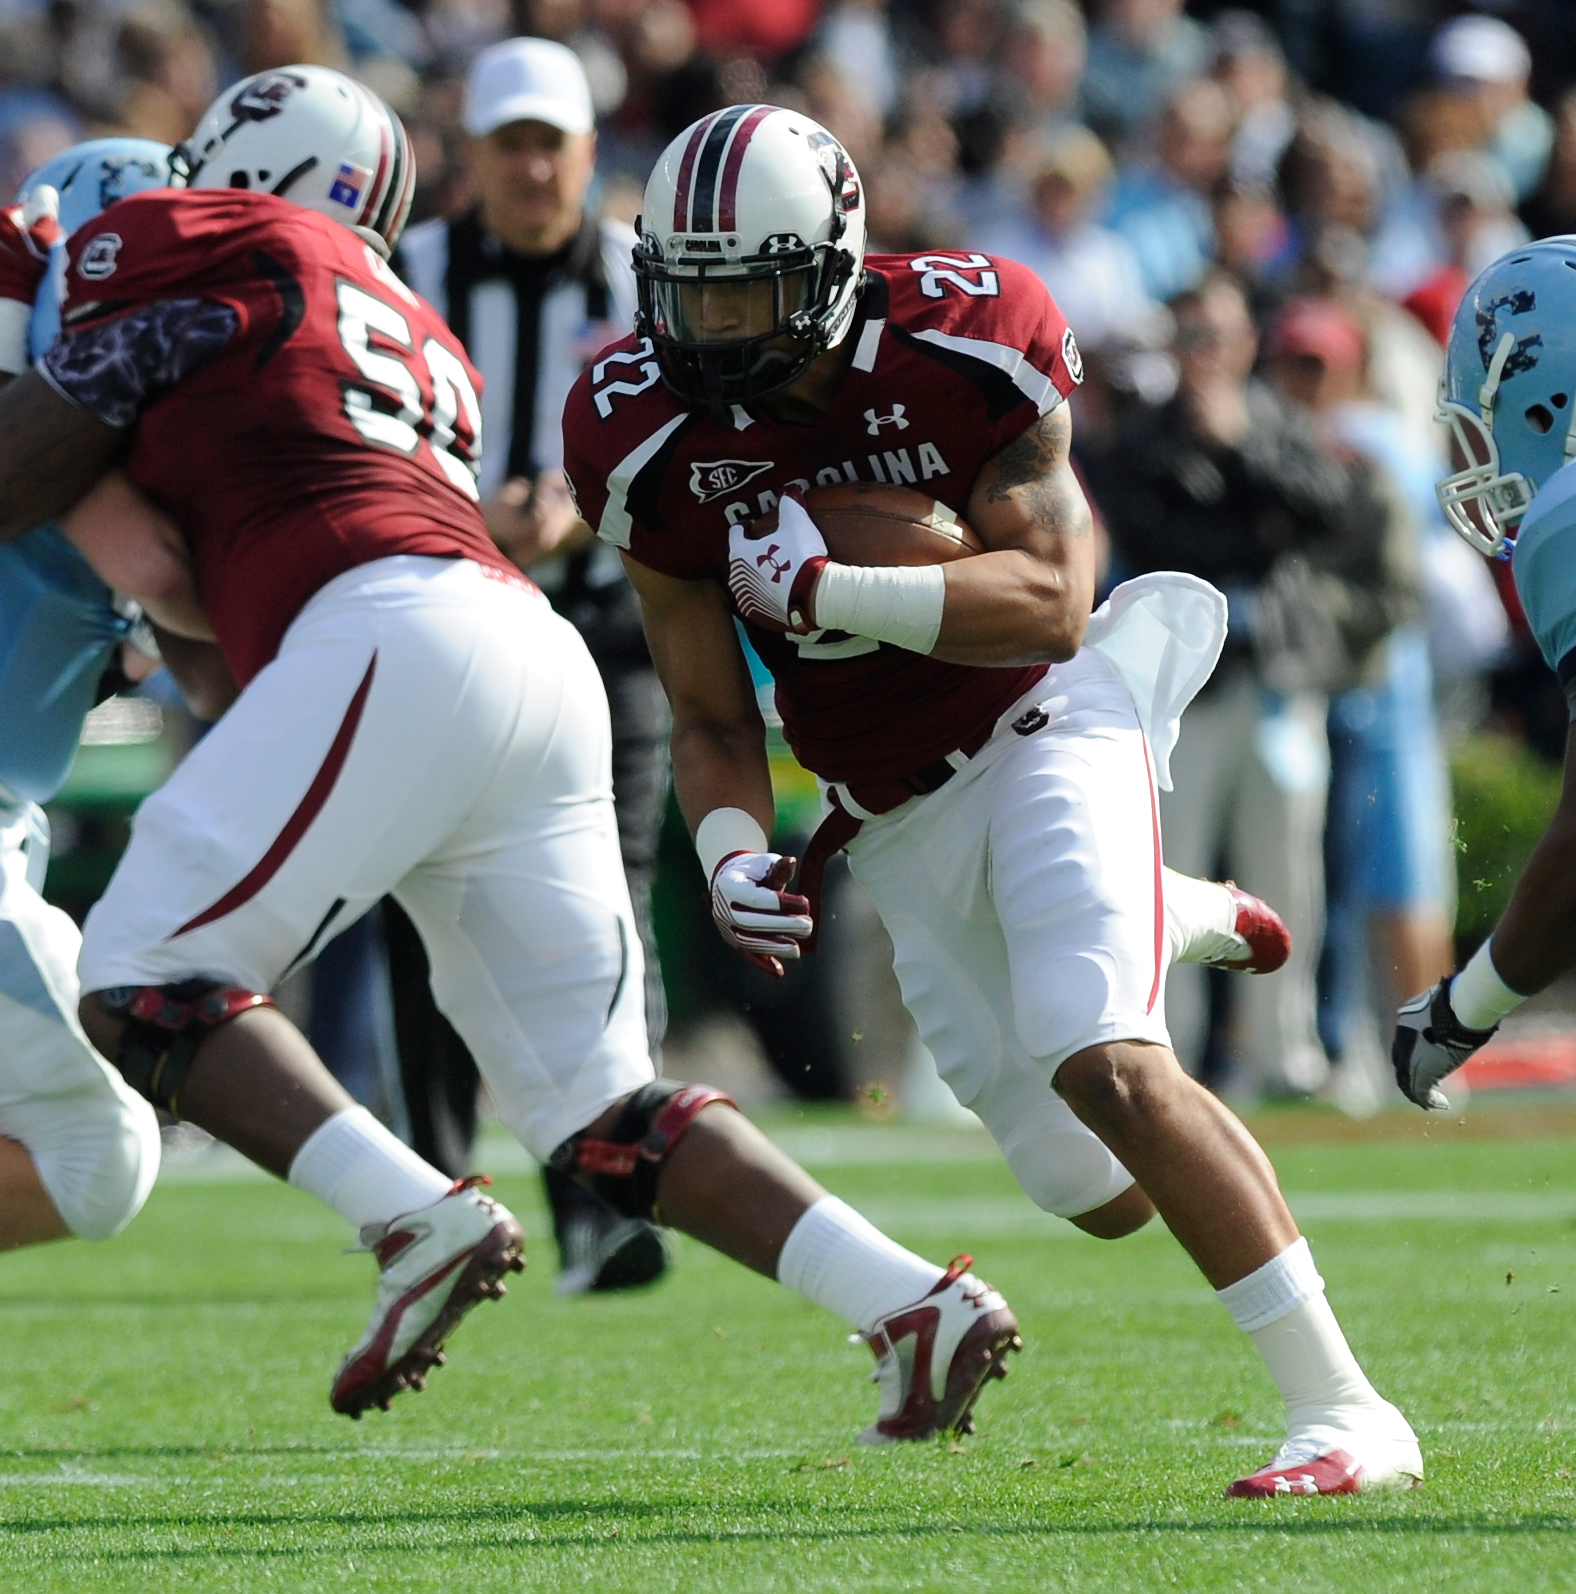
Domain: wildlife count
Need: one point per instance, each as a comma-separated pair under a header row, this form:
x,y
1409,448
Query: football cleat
x,y
935,1357
613,1254
436,1264
1261,942
1326,1459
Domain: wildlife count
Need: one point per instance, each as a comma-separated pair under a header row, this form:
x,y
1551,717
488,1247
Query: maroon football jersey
x,y
298,411
955,355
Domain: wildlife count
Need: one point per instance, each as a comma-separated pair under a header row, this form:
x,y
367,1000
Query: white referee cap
x,y
1481,49
527,80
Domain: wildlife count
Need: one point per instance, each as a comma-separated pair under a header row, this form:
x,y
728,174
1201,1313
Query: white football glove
x,y
753,911
1430,1043
771,574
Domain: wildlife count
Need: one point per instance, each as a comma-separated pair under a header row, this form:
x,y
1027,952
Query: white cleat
x,y
436,1265
935,1357
1354,1452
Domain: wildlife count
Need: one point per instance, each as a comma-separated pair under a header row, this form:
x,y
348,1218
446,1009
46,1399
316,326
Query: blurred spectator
x,y
1478,224
1139,52
1161,206
1551,211
167,61
856,37
1225,482
1486,62
1249,64
1046,50
1389,896
765,29
1252,240
1091,271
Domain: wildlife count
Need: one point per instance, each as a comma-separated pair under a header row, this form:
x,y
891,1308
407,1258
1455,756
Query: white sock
x,y
1282,1309
1201,918
838,1260
365,1173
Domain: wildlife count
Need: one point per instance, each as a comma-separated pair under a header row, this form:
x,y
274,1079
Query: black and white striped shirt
x,y
530,325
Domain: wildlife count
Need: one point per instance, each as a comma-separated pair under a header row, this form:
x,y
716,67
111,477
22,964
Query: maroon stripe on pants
x,y
296,826
1160,900
727,205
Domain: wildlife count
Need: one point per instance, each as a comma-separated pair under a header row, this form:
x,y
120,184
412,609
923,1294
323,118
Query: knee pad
x,y
165,1024
96,1154
1066,1171
623,1169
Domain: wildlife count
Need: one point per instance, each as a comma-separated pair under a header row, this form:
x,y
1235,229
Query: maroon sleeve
x,y
163,244
620,429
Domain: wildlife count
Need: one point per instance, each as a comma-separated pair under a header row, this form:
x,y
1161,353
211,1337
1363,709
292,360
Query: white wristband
x,y
724,831
900,604
1478,996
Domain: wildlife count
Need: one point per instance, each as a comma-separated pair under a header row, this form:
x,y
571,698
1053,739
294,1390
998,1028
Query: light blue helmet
x,y
89,177
1509,390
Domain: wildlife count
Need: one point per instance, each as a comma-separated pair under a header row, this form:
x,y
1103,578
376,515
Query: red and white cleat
x,y
1261,944
436,1265
1328,1460
935,1357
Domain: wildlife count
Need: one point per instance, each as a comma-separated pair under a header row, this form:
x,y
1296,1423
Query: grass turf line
x,y
166,1424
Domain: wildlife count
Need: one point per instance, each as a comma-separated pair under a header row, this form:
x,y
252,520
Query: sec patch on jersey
x,y
864,523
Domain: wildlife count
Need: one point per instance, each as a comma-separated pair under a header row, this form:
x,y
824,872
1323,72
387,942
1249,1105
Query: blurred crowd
x,y
1259,222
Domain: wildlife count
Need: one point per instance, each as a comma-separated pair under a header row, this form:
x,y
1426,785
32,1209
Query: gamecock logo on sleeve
x,y
98,259
1071,357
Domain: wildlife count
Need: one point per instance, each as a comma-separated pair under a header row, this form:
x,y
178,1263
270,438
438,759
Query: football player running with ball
x,y
413,718
1509,402
990,752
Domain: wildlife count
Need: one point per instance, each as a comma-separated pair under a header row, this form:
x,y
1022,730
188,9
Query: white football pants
x,y
435,731
1023,901
94,1141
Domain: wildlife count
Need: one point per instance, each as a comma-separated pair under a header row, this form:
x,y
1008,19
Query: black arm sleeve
x,y
115,369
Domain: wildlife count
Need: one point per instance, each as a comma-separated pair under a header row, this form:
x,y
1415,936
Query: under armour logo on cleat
x,y
876,422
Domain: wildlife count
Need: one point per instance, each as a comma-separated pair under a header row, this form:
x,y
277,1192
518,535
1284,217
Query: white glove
x,y
771,573
753,911
1430,1043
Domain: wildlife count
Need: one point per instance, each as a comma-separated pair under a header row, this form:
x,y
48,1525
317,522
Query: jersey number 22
x,y
392,412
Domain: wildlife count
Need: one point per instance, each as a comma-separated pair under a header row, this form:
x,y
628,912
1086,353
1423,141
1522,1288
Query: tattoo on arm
x,y
1035,466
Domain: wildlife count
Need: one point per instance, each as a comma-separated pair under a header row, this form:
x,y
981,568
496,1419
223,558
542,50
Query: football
x,y
865,523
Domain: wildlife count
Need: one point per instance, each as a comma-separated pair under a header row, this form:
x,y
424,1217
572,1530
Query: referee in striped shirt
x,y
534,284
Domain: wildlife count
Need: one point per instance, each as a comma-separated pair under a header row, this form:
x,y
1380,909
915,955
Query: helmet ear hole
x,y
240,179
1560,400
1540,418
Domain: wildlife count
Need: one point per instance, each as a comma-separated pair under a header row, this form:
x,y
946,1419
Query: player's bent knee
x,y
1117,1082
624,1167
1067,1172
1127,1214
97,1155
160,1028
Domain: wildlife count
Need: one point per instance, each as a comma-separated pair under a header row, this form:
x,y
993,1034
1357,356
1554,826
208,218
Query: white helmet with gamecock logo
x,y
752,243
314,137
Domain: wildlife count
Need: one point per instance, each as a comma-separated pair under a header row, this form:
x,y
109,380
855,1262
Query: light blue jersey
x,y
1545,568
57,630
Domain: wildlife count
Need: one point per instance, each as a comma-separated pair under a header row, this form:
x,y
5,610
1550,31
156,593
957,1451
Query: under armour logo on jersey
x,y
876,422
98,259
711,478
265,96
779,567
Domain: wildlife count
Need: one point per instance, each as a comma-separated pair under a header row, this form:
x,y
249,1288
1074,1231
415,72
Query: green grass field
x,y
165,1422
